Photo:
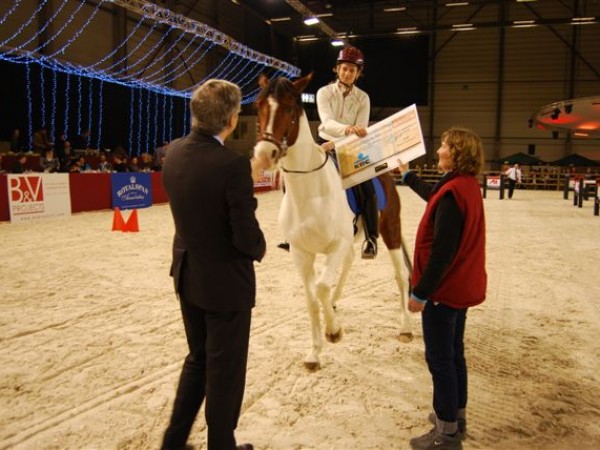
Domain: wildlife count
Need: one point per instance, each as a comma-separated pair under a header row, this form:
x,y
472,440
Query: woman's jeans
x,y
443,333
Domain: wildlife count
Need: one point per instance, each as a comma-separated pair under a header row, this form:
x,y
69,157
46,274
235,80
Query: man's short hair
x,y
212,105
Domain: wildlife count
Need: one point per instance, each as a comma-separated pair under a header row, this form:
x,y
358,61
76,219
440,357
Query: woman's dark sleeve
x,y
448,227
421,187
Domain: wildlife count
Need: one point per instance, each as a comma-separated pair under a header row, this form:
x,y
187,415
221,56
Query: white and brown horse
x,y
315,217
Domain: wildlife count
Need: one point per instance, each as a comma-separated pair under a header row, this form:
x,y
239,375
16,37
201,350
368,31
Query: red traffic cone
x,y
132,222
118,221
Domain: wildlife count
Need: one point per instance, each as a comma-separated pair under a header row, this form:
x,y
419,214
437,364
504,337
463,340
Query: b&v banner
x,y
38,195
131,190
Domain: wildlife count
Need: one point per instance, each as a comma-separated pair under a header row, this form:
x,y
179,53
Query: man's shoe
x,y
462,426
436,441
369,249
285,246
245,447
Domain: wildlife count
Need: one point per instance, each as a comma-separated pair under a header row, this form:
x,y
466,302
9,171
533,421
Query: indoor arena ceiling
x,y
384,18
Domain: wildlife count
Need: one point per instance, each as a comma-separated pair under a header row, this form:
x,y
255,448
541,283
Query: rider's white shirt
x,y
336,112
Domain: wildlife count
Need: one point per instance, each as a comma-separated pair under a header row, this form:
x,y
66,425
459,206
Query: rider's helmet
x,y
352,55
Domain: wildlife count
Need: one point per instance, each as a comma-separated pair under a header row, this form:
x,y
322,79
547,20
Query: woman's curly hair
x,y
466,150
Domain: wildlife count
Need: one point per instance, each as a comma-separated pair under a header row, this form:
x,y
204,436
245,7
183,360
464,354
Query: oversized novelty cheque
x,y
389,143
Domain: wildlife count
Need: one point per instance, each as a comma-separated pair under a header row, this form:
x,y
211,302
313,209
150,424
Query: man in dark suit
x,y
217,238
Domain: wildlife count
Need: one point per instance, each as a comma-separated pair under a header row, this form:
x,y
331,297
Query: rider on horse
x,y
343,110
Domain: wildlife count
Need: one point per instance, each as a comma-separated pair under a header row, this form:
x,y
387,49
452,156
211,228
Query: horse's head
x,y
279,107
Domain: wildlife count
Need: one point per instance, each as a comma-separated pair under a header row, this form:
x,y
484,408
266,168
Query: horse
x,y
315,216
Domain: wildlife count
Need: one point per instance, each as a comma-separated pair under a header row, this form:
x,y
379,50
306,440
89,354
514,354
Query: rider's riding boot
x,y
370,221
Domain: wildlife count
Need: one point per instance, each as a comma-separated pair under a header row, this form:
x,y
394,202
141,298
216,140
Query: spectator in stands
x,y
49,163
1,169
79,165
212,266
119,164
159,156
146,163
133,164
20,164
41,142
66,156
82,142
158,164
449,277
104,165
513,175
15,141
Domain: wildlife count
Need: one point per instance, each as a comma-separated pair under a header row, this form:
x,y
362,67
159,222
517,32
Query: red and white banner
x,y
38,195
493,182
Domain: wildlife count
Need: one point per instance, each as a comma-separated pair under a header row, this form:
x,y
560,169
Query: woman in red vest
x,y
449,277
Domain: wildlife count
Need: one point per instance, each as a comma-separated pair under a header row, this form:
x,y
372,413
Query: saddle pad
x,y
381,198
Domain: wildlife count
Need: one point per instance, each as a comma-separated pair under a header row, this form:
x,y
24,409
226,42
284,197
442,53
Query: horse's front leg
x,y
346,266
305,264
339,257
396,256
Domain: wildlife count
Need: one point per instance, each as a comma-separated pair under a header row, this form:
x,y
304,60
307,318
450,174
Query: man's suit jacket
x,y
217,236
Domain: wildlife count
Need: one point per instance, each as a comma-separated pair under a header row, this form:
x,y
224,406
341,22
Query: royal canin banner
x,y
131,190
38,195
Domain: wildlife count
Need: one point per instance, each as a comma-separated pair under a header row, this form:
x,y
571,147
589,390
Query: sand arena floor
x,y
91,340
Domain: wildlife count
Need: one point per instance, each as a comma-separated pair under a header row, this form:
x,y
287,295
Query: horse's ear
x,y
301,83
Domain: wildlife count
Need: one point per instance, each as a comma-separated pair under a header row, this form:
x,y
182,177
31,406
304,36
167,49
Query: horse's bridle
x,y
281,145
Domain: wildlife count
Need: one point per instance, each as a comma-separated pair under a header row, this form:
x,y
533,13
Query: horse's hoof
x,y
405,337
312,366
334,337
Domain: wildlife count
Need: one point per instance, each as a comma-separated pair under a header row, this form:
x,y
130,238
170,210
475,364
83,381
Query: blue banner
x,y
131,190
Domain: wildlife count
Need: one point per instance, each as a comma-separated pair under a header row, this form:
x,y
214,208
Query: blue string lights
x,y
159,60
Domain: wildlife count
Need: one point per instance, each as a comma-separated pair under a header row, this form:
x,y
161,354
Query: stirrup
x,y
369,249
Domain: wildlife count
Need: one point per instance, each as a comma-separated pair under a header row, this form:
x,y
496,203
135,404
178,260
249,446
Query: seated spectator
x,y
66,156
20,164
104,165
159,154
1,169
159,164
133,165
146,163
79,165
119,164
49,163
41,142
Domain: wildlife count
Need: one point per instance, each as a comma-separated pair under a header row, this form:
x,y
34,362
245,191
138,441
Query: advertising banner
x,y
38,195
389,143
131,190
493,182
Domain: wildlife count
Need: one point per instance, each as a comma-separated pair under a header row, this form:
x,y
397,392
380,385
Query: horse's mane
x,y
278,88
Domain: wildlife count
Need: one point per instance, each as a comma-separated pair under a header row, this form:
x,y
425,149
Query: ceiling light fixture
x,y
311,21
281,19
408,30
524,23
583,20
457,4
337,42
395,9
